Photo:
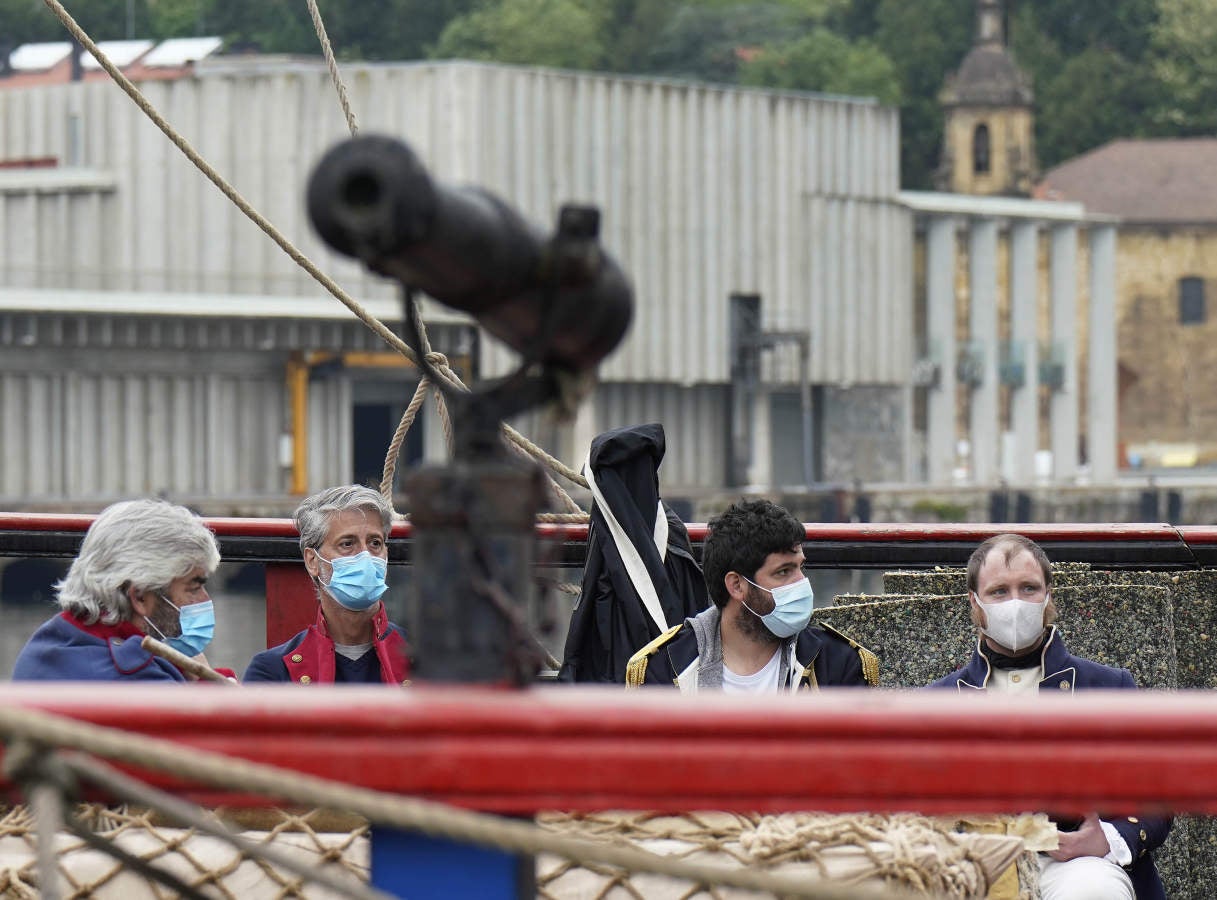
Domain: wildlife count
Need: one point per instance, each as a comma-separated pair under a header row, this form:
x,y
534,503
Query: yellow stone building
x,y
1164,193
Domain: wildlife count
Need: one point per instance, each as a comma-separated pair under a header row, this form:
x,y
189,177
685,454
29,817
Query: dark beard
x,y
750,624
167,619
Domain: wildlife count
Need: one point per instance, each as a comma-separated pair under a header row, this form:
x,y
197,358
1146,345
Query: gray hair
x,y
144,544
314,513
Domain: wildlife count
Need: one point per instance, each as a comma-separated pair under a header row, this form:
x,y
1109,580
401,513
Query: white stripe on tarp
x,y
634,566
661,532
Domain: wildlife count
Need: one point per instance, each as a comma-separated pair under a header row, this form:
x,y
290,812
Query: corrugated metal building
x,y
146,326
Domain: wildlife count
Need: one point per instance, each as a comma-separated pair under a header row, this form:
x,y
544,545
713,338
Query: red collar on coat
x,y
313,657
121,630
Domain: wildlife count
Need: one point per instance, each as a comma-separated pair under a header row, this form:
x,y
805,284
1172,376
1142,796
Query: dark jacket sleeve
x,y
839,665
1142,834
265,666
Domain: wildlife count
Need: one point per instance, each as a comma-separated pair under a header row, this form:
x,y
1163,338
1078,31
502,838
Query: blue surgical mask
x,y
198,625
356,582
792,605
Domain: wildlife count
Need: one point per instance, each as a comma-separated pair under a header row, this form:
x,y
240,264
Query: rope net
x,y
915,855
911,855
199,860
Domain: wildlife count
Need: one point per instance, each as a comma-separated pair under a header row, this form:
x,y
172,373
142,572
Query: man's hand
x,y
1088,840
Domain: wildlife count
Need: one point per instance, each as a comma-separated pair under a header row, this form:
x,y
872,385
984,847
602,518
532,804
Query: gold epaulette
x,y
870,662
636,668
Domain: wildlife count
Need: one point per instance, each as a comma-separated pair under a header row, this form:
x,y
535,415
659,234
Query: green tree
x,y
1184,62
628,29
828,62
1097,96
925,41
562,33
1125,26
268,26
367,29
710,40
178,18
1092,71
29,21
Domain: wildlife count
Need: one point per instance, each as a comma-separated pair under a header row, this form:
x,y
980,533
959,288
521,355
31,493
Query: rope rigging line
x,y
411,814
375,325
332,64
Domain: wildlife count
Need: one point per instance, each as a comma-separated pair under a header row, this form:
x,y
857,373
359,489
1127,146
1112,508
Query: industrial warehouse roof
x,y
50,63
234,306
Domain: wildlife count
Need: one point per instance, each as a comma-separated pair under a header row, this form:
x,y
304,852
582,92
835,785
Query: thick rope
x,y
375,325
445,419
407,419
411,814
332,65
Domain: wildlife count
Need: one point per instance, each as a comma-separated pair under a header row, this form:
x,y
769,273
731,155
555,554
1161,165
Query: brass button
x,y
1064,685
304,679
1133,819
1144,836
406,683
1142,853
1016,678
296,657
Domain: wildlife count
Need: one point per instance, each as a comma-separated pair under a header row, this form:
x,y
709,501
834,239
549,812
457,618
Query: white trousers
x,y
1084,878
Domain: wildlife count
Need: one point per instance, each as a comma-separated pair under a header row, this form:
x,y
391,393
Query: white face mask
x,y
1015,624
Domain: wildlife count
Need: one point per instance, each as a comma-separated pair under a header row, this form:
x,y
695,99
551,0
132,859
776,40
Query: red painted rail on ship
x,y
848,531
558,747
291,603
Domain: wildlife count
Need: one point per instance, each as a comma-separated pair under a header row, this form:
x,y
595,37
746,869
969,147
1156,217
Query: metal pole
x,y
805,397
47,803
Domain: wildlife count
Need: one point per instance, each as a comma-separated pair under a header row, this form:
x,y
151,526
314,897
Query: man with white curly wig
x,y
142,570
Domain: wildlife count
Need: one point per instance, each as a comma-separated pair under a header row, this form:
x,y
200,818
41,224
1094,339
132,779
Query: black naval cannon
x,y
556,299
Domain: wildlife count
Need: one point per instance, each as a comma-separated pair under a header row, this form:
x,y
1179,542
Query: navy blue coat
x,y
66,649
1065,672
828,657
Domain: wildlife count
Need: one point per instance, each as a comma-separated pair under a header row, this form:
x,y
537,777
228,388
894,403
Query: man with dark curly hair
x,y
757,637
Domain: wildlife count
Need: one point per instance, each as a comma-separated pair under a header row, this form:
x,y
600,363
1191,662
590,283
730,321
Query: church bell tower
x,y
988,145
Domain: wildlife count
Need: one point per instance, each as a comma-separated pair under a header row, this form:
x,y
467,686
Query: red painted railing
x,y
558,747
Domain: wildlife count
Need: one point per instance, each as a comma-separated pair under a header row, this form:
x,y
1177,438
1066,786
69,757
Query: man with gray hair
x,y
142,570
344,534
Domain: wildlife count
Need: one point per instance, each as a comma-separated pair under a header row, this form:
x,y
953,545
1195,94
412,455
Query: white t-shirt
x,y
352,651
763,681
